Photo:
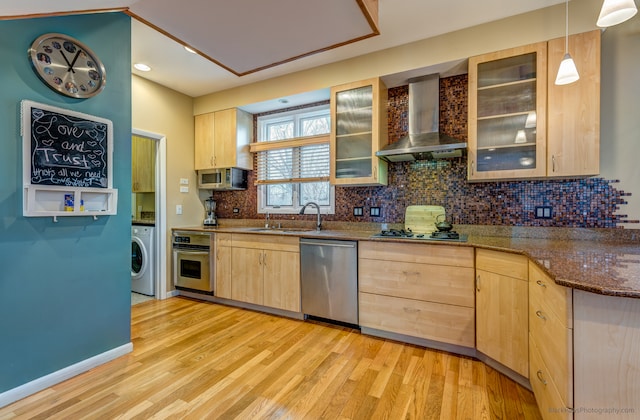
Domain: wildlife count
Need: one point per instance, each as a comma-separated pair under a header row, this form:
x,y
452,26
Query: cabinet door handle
x,y
540,377
472,167
540,283
540,315
478,283
264,259
260,259
553,163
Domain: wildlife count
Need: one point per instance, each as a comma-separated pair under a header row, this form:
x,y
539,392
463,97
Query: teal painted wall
x,y
64,287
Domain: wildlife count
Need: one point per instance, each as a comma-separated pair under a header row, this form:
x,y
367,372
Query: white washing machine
x,y
142,273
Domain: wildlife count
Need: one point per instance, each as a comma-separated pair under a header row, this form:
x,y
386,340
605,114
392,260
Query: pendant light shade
x,y
614,12
567,73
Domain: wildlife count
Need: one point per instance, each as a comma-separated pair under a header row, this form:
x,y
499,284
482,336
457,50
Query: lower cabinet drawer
x,y
433,321
555,345
428,282
550,403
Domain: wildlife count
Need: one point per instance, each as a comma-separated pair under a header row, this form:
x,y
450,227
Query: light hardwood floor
x,y
198,360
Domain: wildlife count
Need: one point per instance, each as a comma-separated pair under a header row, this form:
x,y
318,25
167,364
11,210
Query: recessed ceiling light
x,y
142,67
192,51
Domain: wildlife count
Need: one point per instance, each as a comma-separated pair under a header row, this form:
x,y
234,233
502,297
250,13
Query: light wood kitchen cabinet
x,y
265,270
606,339
507,113
358,130
521,125
223,265
573,123
550,344
222,139
502,302
423,291
143,164
281,280
247,275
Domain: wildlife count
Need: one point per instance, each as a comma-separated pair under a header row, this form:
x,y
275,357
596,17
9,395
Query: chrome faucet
x,y
311,203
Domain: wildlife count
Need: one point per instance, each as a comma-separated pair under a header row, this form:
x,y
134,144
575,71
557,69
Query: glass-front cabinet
x,y
358,131
507,113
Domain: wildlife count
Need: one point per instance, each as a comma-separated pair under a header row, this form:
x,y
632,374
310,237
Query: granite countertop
x,y
580,260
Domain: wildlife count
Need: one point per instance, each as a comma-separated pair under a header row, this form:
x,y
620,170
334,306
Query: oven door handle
x,y
182,251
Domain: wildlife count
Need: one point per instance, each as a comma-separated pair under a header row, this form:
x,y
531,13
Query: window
x,y
293,161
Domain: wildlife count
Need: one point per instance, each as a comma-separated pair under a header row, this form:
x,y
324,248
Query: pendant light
x,y
616,11
567,73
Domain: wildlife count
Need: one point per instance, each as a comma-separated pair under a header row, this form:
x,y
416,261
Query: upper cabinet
x,y
222,139
521,125
573,123
143,161
507,109
358,131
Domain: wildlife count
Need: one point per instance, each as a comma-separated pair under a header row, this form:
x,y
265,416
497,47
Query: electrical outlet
x,y
543,212
357,211
184,181
184,189
374,211
236,210
178,208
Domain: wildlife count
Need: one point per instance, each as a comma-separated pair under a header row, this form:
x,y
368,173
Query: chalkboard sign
x,y
66,148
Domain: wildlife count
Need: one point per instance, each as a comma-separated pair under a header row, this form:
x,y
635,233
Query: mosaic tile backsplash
x,y
580,203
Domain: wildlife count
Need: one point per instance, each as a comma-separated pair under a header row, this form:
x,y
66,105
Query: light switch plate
x,y
178,208
184,181
184,189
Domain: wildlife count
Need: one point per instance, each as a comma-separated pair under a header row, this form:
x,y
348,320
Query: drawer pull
x,y
411,273
478,283
541,378
540,315
540,283
411,310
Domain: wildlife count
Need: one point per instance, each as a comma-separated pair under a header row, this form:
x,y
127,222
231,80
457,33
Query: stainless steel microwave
x,y
223,179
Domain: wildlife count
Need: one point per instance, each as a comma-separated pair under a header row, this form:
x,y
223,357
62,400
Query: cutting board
x,y
422,219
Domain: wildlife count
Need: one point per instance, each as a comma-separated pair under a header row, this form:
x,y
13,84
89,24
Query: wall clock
x,y
67,66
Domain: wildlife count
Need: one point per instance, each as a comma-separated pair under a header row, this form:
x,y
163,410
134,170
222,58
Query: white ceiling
x,y
400,22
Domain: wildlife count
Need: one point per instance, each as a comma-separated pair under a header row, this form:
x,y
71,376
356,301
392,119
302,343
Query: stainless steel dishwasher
x,y
329,279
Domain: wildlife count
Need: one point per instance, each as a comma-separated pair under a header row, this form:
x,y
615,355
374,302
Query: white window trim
x,y
295,209
262,189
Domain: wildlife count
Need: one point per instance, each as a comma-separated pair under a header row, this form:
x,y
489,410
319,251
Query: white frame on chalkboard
x,y
48,200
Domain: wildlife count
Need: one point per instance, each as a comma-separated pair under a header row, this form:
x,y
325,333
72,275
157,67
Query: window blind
x,y
304,159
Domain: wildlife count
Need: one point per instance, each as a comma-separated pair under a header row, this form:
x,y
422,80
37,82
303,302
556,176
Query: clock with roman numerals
x,y
67,65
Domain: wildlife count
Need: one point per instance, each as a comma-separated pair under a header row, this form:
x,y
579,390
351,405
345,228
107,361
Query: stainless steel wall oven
x,y
193,264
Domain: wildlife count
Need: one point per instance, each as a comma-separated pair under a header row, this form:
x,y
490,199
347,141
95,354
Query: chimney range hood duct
x,y
424,141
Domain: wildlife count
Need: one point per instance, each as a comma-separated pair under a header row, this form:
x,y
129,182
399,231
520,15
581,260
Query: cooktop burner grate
x,y
434,236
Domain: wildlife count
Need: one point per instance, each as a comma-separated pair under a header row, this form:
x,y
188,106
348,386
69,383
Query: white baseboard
x,y
51,379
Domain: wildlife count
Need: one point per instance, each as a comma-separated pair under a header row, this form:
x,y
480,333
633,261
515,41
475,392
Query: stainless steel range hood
x,y
424,140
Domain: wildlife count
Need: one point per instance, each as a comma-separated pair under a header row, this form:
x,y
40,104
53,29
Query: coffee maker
x,y
210,208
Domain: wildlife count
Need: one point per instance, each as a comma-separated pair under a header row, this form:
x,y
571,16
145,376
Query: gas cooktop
x,y
433,236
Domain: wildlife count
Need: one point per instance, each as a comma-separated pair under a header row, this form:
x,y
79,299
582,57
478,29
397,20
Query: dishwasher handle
x,y
331,244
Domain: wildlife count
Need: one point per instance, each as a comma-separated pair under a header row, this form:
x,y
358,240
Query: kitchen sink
x,y
279,230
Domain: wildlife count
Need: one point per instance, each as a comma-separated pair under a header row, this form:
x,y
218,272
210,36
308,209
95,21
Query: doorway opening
x,y
149,202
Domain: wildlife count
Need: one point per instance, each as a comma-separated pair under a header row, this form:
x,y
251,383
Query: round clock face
x,y
67,66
